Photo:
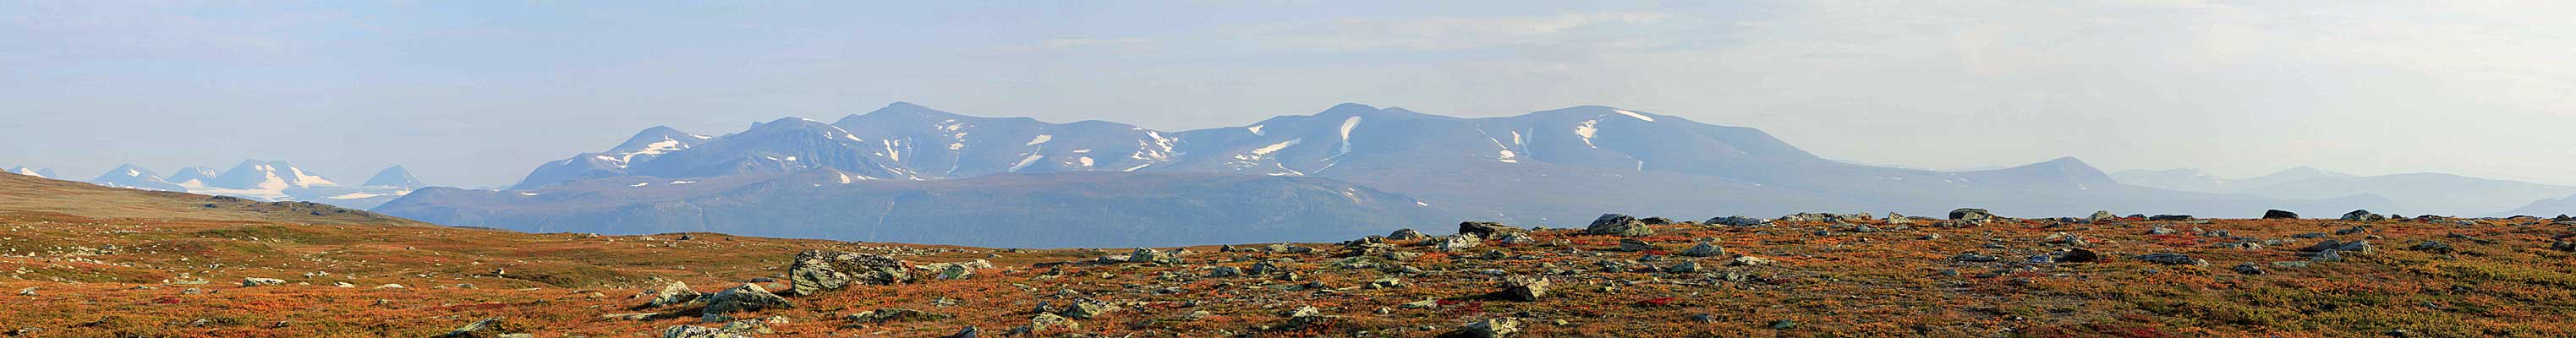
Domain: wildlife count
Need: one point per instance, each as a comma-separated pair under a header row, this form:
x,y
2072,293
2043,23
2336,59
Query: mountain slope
x,y
643,146
2422,193
1012,210
2426,193
2545,207
19,193
1558,167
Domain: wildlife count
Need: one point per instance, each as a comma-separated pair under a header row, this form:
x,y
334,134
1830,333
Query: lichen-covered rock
x,y
1704,249
672,294
1524,288
1492,328
1406,234
1738,221
745,298
1971,214
1633,245
2171,259
816,271
685,331
1617,224
1486,229
1456,243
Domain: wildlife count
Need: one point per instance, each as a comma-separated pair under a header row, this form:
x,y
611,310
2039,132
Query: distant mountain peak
x,y
2306,172
24,170
270,176
136,177
904,109
395,176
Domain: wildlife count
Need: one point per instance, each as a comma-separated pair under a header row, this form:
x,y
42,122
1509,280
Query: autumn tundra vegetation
x,y
87,261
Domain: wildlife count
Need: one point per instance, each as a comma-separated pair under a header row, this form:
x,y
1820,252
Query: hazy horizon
x,y
477,94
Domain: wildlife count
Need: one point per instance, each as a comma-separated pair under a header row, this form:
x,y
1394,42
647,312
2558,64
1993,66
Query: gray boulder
x,y
675,293
1971,214
816,271
1491,328
745,298
1486,229
1633,245
1617,224
1456,243
2279,214
685,331
1738,221
2168,258
1407,234
2362,216
1704,249
1524,288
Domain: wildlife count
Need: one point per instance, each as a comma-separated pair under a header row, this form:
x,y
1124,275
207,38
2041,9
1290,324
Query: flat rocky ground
x,y
1805,275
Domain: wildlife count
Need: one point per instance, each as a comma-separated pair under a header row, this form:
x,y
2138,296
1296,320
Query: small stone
x,y
1704,249
1407,234
1492,328
2249,268
1524,288
1633,245
2167,258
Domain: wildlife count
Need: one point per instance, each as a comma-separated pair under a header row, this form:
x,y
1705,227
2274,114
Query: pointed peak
x,y
395,176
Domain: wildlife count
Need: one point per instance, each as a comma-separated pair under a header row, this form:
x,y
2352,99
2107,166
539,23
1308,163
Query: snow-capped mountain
x,y
193,176
1547,168
24,170
395,177
267,176
267,181
135,177
644,146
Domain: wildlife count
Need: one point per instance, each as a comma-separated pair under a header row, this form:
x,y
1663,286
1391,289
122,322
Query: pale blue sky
x,y
477,93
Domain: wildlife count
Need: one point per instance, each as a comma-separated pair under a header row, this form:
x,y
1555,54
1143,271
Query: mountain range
x,y
262,180
2415,193
1556,167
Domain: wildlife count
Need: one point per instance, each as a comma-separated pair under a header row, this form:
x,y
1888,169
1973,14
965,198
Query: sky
x,y
476,93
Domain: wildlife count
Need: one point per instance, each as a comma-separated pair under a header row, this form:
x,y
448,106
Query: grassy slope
x,y
1844,284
